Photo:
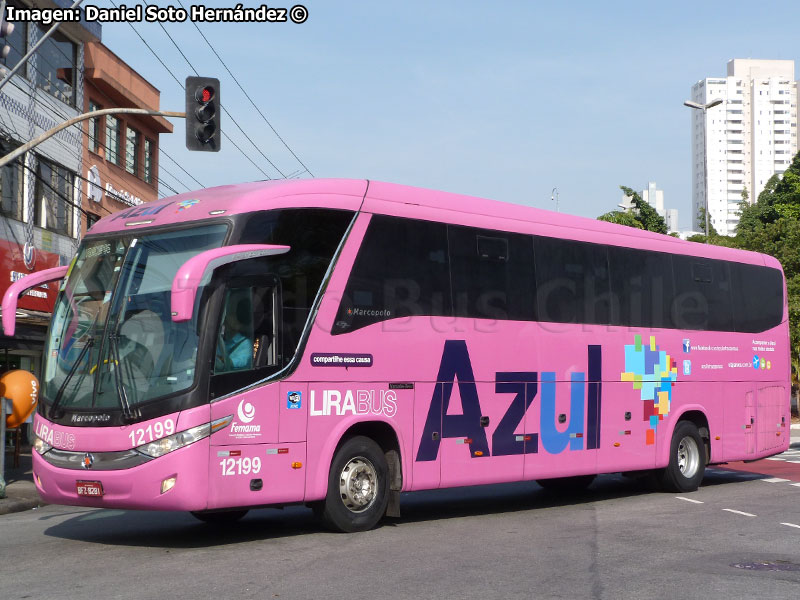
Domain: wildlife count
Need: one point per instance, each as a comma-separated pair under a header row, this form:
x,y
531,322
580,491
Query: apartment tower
x,y
750,136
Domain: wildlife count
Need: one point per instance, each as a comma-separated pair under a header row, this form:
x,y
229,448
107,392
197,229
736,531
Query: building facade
x,y
40,208
49,195
655,198
751,136
120,152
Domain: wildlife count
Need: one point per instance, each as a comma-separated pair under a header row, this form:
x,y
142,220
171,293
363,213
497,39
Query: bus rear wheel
x,y
358,487
687,462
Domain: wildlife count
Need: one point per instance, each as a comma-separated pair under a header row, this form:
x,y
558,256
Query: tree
x,y
772,225
640,216
621,217
644,213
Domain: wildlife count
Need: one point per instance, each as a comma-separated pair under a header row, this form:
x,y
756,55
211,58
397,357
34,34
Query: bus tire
x,y
566,485
222,517
687,462
358,487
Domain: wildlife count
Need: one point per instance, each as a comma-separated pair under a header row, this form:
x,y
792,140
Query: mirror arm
x,y
196,272
19,287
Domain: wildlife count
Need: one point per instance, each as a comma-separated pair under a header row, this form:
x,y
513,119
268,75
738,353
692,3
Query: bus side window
x,y
572,281
758,301
248,334
642,287
492,274
401,271
235,336
702,294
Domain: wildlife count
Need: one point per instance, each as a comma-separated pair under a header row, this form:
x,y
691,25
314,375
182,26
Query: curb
x,y
8,506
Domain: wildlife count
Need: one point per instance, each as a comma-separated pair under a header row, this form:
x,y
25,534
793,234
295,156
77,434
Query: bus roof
x,y
405,201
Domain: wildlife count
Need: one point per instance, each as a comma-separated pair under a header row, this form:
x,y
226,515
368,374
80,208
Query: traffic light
x,y
202,114
6,29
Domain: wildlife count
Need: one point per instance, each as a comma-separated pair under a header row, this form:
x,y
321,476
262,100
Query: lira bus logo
x,y
582,431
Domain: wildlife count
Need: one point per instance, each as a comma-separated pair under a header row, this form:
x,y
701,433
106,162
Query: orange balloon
x,y
22,388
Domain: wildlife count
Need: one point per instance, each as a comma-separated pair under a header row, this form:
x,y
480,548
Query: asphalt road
x,y
738,536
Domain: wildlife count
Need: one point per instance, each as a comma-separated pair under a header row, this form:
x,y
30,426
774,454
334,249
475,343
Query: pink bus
x,y
337,342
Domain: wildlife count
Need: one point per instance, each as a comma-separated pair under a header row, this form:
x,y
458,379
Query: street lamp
x,y
554,196
704,108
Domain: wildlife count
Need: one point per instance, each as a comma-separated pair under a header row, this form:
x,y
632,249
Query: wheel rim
x,y
358,484
688,457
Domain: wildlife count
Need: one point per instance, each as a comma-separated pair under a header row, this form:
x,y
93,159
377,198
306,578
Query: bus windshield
x,y
112,343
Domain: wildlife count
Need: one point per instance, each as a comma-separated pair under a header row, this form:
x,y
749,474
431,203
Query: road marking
x,y
775,458
738,512
796,484
775,480
791,525
689,500
794,462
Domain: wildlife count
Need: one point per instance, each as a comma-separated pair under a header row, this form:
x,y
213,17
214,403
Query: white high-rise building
x,y
751,136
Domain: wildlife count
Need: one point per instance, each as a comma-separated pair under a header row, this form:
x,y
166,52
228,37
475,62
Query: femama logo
x,y
246,412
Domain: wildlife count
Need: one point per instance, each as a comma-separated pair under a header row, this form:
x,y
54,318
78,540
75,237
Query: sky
x,y
504,100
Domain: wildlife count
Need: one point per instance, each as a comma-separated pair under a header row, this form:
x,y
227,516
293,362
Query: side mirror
x,y
197,271
19,287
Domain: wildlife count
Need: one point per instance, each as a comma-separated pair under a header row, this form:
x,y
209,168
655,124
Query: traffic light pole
x,y
106,111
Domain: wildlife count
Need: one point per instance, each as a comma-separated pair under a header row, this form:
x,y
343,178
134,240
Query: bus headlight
x,y
183,438
40,445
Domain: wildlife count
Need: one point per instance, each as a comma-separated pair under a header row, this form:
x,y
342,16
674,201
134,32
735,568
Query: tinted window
x,y
702,294
401,270
641,285
572,281
757,297
314,235
492,274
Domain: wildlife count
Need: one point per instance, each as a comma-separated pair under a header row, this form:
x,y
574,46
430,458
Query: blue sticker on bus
x,y
294,399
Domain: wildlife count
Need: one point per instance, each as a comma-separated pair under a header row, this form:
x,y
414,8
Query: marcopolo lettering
x,y
582,431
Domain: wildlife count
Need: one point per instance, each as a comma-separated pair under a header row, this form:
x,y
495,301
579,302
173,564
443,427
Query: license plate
x,y
93,489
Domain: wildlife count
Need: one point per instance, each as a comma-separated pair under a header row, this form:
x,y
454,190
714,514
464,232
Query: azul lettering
x,y
360,402
141,211
581,431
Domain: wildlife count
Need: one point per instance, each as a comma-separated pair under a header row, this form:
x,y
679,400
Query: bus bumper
x,y
143,487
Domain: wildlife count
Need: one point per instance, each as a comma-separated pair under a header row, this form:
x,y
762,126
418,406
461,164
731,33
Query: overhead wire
x,y
222,106
105,95
183,87
258,110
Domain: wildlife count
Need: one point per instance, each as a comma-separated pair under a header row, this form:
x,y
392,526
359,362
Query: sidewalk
x,y
21,494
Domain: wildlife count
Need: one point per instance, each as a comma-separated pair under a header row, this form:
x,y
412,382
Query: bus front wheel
x,y
358,487
687,462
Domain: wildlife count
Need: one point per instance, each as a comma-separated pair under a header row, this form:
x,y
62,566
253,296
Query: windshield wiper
x,y
60,394
115,362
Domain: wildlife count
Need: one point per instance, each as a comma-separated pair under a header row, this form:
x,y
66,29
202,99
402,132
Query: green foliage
x,y
644,213
621,217
772,226
640,216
